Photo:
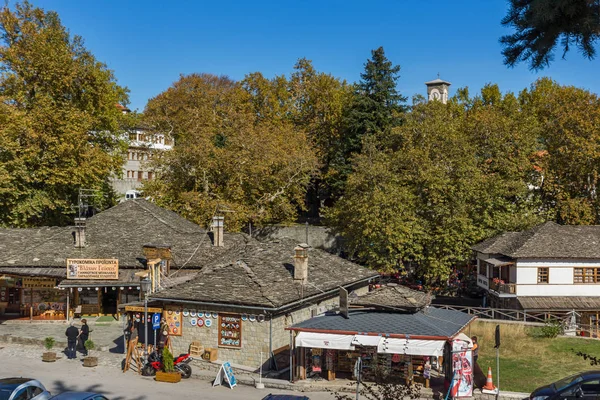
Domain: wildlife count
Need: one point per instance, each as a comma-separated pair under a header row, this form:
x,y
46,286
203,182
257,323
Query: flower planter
x,y
90,362
171,377
49,356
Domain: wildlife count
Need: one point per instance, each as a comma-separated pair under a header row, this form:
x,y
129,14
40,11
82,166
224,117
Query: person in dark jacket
x,y
84,334
72,333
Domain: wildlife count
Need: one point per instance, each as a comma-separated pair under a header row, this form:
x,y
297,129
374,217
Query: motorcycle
x,y
180,364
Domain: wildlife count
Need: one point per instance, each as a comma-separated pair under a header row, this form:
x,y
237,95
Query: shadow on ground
x,y
98,388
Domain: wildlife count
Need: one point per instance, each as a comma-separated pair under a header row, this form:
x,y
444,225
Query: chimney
x,y
217,227
301,262
79,232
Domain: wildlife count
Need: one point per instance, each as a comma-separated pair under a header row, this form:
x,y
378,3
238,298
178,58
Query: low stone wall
x,y
319,237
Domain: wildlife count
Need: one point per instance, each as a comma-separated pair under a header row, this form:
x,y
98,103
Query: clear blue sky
x,y
149,43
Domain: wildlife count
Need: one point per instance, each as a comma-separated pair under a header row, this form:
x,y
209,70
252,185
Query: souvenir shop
x,y
405,346
332,356
34,297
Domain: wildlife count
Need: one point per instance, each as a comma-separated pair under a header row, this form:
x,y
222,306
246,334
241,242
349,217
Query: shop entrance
x,y
109,301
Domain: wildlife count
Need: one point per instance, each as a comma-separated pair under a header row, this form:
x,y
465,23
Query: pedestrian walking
x,y
72,333
84,335
475,349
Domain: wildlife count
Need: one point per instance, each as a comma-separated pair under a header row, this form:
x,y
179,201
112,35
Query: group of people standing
x,y
74,335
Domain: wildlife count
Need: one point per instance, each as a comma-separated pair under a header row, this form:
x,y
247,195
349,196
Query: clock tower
x,y
437,89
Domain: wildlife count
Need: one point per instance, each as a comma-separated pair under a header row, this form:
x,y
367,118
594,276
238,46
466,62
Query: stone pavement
x,y
107,336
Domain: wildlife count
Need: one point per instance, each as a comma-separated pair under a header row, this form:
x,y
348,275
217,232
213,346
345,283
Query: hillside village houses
x,y
549,268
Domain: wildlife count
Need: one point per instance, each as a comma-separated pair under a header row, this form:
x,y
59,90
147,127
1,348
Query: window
x,y
149,176
140,175
543,275
586,275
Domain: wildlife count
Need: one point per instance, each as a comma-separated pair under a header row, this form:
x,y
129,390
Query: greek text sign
x,y
90,268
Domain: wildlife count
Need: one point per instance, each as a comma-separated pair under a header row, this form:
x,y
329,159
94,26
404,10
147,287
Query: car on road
x,y
584,385
22,389
79,396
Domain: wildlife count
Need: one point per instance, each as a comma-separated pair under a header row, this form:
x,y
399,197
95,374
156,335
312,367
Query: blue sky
x,y
149,43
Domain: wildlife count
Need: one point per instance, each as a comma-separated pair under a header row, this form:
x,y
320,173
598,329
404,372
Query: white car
x,y
22,389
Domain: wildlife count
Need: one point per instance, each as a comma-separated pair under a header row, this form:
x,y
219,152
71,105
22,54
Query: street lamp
x,y
145,286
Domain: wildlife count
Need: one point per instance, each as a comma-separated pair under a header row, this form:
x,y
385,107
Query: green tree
x,y
449,176
541,25
375,108
59,126
568,168
231,151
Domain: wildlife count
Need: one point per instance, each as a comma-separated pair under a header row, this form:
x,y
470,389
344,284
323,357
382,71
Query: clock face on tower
x,y
434,95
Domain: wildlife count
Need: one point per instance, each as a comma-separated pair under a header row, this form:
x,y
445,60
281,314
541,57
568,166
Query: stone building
x,y
250,301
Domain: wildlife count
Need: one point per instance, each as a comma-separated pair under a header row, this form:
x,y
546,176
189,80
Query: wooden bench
x,y
86,309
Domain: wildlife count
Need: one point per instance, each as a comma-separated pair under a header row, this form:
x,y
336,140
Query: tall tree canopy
x,y
235,149
446,178
541,25
374,109
58,121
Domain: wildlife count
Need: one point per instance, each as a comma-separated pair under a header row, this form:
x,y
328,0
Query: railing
x,y
508,314
503,288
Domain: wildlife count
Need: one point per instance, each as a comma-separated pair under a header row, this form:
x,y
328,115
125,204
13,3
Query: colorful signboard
x,y
30,282
230,330
462,366
174,317
91,268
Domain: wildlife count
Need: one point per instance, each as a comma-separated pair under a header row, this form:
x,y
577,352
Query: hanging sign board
x,y
174,317
38,282
92,268
230,330
225,373
155,321
141,309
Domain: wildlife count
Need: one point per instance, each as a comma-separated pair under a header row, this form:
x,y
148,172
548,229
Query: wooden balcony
x,y
503,288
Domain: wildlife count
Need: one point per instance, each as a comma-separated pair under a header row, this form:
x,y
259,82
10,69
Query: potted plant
x,y
89,361
49,356
168,374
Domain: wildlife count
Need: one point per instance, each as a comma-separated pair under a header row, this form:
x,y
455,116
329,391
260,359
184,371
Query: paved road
x,y
66,375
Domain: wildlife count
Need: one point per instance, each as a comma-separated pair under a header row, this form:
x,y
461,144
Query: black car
x,y
585,385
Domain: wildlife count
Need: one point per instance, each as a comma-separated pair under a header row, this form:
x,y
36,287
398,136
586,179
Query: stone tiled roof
x,y
119,232
569,303
263,276
548,240
429,322
394,297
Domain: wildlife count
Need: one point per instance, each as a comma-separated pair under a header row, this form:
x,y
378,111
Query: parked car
x,y
585,385
79,396
22,389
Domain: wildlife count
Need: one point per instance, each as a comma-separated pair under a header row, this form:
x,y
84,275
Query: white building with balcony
x,y
550,267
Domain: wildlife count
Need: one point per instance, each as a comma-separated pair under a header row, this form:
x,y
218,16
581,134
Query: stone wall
x,y
319,237
255,335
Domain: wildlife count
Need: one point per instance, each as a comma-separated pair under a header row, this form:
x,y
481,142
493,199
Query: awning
x,y
364,340
412,347
500,261
324,341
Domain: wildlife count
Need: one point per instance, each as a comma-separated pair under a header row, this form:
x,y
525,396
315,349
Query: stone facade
x,y
256,336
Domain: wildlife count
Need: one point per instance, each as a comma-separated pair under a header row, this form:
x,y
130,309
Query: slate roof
x,y
263,276
429,322
396,297
559,303
119,232
548,240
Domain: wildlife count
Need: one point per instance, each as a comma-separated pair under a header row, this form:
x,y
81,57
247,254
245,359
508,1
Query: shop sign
x,y
230,330
141,309
91,268
47,283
